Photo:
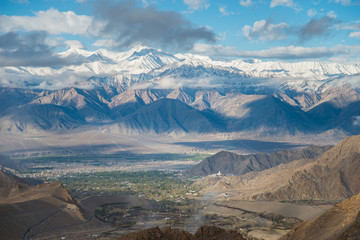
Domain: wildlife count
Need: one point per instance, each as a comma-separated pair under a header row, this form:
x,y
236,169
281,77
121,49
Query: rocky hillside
x,y
335,175
180,110
46,207
167,233
233,164
10,185
341,222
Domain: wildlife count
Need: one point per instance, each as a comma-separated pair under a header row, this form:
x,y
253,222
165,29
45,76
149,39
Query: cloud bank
x,y
264,30
317,27
131,25
197,4
288,52
52,21
30,49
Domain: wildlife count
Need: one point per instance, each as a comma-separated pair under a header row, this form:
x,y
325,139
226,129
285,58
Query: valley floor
x,y
97,141
128,183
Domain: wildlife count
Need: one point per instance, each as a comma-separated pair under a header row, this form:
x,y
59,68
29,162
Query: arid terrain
x,y
183,119
333,176
29,210
342,221
105,196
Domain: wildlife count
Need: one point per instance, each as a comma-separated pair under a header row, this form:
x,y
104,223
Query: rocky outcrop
x,y
46,207
333,176
341,222
167,233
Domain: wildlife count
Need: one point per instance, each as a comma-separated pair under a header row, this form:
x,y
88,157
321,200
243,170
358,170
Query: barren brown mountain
x,y
333,176
341,222
26,210
167,233
229,163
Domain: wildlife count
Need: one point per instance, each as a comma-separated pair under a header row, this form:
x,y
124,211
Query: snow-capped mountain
x,y
144,67
149,91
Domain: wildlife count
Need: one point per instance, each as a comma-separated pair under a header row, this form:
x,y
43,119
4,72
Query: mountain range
x,y
332,176
228,163
149,91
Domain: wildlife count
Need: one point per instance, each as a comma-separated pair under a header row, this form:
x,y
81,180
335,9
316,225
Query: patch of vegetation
x,y
155,185
280,222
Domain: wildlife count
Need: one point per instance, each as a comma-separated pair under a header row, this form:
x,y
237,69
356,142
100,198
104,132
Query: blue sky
x,y
284,30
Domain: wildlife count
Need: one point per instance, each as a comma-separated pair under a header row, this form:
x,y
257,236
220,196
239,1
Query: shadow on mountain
x,y
158,111
167,115
271,116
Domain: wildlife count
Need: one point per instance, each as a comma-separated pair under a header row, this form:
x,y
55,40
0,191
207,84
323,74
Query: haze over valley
x,y
180,119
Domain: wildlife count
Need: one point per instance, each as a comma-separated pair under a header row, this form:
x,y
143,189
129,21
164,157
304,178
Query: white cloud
x,y
214,50
311,12
284,3
264,30
288,52
344,2
197,4
355,35
222,36
331,14
223,10
105,43
354,25
245,3
74,44
51,20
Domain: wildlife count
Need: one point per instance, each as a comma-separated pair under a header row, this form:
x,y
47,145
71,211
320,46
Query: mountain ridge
x,y
50,202
233,164
227,110
148,67
241,97
341,222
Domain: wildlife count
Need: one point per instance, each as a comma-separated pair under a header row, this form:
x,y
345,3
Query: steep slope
x,y
144,66
167,233
229,109
270,116
92,108
186,95
12,97
341,222
233,164
334,176
9,184
141,96
35,117
169,115
46,206
304,70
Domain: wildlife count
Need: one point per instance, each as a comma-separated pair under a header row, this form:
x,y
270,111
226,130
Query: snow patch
x,y
356,121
